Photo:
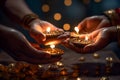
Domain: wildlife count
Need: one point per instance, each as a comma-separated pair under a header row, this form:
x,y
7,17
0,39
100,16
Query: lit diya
x,y
51,36
81,42
54,51
76,33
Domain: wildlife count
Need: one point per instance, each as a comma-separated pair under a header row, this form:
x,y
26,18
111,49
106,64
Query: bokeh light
x,y
68,2
57,16
66,26
45,8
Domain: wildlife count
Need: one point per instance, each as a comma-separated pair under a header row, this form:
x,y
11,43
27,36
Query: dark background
x,y
73,14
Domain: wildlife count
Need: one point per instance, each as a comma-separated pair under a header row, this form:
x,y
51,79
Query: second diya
x,y
79,42
51,36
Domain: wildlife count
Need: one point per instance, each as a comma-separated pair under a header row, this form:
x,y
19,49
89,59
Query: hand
x,y
37,27
92,23
18,47
101,38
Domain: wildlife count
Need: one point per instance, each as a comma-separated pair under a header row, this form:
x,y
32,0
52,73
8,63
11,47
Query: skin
x,y
21,49
18,9
38,27
101,38
92,23
18,47
99,29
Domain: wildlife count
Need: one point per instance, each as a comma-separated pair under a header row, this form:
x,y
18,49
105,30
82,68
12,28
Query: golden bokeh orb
x,y
57,16
66,26
68,2
45,8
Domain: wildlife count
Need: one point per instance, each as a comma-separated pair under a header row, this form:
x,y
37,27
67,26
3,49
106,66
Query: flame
x,y
86,38
48,29
52,46
78,78
76,29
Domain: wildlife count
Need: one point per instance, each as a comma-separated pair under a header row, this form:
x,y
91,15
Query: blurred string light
x,y
45,8
57,16
68,2
66,26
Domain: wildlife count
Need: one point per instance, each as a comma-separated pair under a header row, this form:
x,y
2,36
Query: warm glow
x,y
59,63
66,26
76,29
40,66
52,46
57,16
45,8
78,78
53,42
86,37
68,2
37,27
110,59
48,29
110,11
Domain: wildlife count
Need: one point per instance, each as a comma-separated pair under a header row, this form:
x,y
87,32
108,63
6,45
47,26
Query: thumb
x,y
38,36
98,45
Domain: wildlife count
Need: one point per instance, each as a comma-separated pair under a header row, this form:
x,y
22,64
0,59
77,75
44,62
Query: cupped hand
x,y
92,23
101,38
18,47
38,27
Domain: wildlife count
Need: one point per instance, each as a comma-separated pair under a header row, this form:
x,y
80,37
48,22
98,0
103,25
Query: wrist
x,y
113,16
27,19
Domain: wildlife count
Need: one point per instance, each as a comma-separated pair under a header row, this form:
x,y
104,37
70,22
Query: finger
x,y
68,44
19,56
82,25
38,35
64,36
98,45
93,34
59,29
35,45
104,23
30,51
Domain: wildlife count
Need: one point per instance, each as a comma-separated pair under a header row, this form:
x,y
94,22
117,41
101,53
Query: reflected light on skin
x,y
53,42
37,27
